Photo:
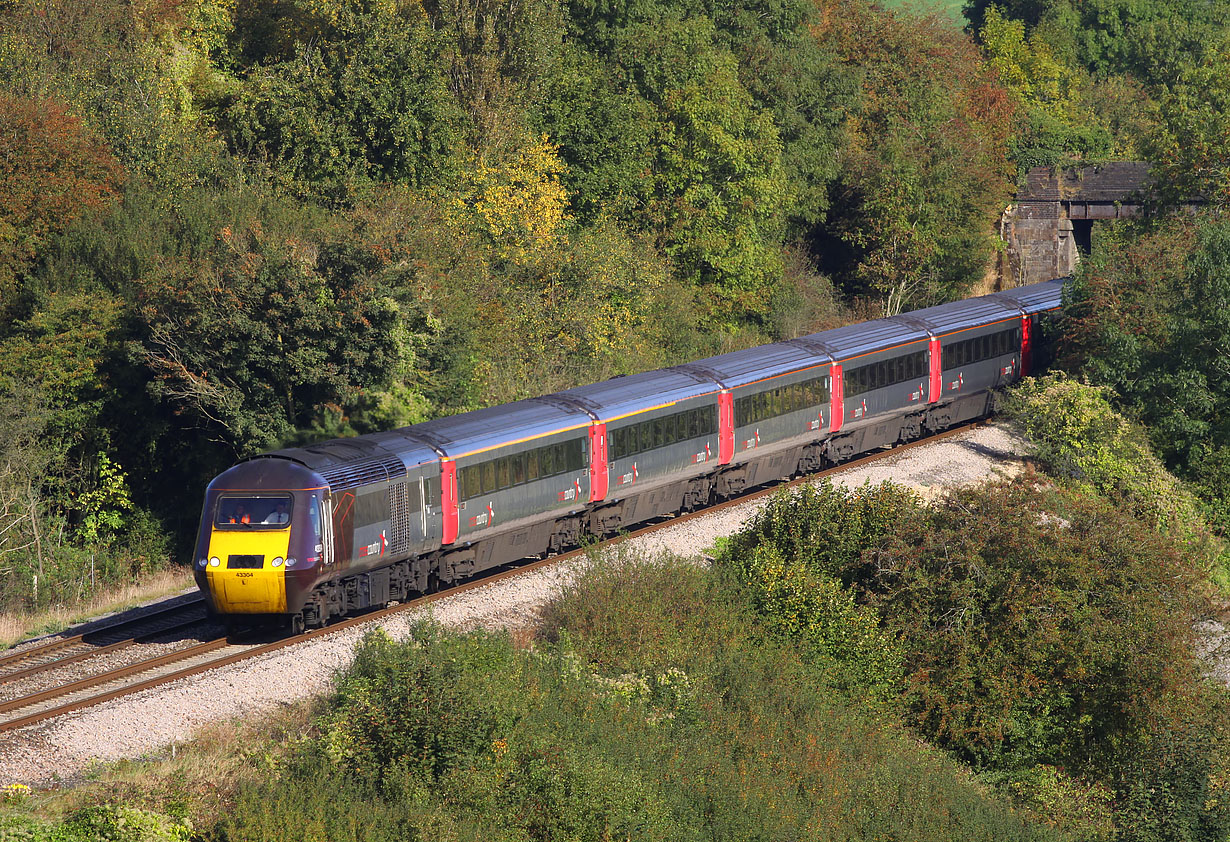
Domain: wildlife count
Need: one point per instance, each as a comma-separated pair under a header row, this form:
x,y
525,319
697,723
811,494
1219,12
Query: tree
x,y
1147,317
252,345
517,204
132,71
1191,145
787,72
718,183
925,165
1149,40
365,102
52,170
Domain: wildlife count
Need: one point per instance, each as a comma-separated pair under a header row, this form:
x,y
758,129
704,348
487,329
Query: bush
x,y
794,563
1079,437
684,723
1045,633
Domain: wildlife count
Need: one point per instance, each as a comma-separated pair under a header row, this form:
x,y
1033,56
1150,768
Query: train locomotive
x,y
302,535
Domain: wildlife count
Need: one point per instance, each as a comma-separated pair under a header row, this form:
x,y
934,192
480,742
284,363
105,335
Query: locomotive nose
x,y
246,579
249,542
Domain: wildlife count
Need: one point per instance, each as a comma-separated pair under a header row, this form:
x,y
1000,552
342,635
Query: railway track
x,y
185,661
62,651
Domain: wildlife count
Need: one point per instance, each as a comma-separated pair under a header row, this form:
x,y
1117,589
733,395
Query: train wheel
x,y
297,624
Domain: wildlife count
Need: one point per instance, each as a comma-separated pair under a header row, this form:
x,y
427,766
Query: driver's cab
x,y
263,521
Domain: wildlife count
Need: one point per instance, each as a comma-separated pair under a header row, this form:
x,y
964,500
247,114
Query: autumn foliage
x,y
52,171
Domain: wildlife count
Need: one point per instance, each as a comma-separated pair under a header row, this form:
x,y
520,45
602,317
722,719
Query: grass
x,y
192,780
18,626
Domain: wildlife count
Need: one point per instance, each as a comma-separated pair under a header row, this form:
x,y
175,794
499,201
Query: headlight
x,y
213,562
290,562
277,562
201,562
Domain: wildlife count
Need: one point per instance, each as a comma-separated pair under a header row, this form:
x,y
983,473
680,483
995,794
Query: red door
x,y
726,427
1027,345
597,462
937,369
838,410
448,500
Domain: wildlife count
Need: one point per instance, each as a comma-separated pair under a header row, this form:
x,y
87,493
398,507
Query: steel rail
x,y
59,643
10,677
517,569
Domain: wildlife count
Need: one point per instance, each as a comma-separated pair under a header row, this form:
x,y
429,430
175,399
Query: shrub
x,y
794,563
590,737
1079,437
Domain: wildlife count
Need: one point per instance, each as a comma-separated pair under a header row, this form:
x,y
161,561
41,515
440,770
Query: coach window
x,y
517,464
488,477
502,474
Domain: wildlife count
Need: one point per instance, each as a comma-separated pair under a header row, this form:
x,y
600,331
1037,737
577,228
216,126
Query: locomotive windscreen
x,y
252,511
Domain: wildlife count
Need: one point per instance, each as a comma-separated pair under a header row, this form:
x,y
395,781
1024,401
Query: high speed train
x,y
306,534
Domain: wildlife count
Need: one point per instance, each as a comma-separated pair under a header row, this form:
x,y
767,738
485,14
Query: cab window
x,y
314,515
264,511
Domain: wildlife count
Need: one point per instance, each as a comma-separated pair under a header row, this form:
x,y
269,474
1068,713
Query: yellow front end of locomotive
x,y
241,585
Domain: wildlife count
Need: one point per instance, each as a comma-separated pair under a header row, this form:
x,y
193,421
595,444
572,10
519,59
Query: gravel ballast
x,y
63,748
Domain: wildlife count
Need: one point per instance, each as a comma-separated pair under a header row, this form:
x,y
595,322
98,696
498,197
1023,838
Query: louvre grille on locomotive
x,y
314,532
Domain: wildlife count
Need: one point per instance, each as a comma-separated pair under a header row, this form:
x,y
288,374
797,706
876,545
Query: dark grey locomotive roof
x,y
959,315
483,429
265,474
360,460
855,340
1034,298
739,368
623,395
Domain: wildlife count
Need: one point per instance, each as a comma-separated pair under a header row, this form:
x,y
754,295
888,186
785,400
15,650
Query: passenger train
x,y
307,534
